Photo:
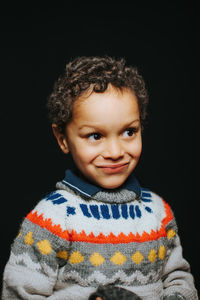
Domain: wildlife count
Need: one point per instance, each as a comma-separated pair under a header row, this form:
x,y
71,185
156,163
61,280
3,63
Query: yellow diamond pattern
x,y
137,257
162,252
76,258
152,255
170,233
28,239
97,259
62,254
44,247
118,258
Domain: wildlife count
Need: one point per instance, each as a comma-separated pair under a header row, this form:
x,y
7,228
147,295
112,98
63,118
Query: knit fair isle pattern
x,y
98,243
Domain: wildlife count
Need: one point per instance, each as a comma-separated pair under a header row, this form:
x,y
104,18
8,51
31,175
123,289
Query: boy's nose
x,y
113,149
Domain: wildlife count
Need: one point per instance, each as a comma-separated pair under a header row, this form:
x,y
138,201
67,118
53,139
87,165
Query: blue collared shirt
x,y
87,189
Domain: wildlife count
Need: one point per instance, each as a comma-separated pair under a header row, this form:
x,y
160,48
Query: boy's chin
x,y
111,184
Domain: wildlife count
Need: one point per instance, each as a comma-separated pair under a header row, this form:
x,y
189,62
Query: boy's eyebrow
x,y
99,125
130,123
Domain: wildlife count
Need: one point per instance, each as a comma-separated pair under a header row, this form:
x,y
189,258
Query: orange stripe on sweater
x,y
121,238
168,212
47,224
101,238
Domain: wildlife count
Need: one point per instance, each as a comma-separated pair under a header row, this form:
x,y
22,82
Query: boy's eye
x,y
129,132
94,136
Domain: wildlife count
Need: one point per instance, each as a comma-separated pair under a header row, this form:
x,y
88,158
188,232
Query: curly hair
x,y
93,72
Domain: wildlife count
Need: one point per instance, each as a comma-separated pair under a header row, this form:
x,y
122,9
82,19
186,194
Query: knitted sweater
x,y
80,236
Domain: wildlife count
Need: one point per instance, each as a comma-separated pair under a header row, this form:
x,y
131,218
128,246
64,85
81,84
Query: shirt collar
x,y
87,189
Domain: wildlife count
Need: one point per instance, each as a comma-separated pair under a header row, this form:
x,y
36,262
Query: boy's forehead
x,y
104,107
111,90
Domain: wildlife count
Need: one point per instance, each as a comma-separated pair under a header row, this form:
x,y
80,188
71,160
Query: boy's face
x,y
104,136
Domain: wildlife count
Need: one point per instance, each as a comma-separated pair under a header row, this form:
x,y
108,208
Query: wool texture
x,y
69,245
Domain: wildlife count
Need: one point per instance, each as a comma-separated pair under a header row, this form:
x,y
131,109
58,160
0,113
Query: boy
x,y
100,231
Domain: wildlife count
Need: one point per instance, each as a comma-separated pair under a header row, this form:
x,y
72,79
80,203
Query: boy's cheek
x,y
136,150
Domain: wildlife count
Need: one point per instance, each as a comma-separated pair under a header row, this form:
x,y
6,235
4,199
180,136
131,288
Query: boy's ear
x,y
61,139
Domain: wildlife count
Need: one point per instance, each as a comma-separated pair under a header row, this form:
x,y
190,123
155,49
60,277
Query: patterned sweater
x,y
80,236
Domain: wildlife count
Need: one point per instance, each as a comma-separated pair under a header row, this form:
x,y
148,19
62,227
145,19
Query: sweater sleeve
x,y
177,278
32,269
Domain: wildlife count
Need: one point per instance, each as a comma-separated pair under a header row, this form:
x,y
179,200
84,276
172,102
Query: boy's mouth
x,y
113,168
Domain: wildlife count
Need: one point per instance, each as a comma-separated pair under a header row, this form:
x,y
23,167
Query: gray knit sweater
x,y
71,243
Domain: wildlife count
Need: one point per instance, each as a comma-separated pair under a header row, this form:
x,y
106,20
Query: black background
x,y
161,39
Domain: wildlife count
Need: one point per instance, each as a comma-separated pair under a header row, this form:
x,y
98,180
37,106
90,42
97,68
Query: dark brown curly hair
x,y
93,72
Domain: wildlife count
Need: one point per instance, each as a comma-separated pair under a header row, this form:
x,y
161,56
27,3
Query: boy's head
x,y
97,109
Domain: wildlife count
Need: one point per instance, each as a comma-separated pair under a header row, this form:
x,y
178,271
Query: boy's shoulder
x,y
148,196
51,209
162,209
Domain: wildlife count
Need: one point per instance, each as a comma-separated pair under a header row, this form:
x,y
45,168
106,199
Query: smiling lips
x,y
112,169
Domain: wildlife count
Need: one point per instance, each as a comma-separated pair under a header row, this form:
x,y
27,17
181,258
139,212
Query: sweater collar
x,y
86,189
